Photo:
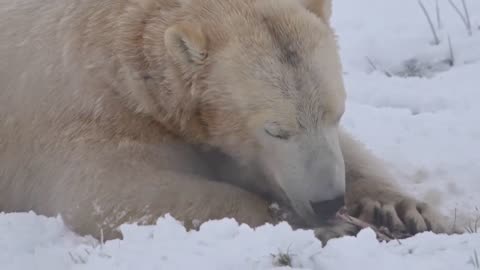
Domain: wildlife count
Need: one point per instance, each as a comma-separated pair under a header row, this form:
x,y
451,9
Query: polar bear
x,y
120,111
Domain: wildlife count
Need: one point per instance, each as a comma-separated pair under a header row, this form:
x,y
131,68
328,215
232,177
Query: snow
x,y
429,136
33,242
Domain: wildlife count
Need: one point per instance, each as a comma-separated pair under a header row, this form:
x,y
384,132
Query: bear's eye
x,y
273,129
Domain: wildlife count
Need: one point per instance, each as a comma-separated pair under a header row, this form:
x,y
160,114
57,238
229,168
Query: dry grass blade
x,y
282,259
450,50
439,19
436,40
474,260
465,18
474,226
374,67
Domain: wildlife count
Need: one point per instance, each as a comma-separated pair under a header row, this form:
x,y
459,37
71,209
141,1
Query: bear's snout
x,y
327,210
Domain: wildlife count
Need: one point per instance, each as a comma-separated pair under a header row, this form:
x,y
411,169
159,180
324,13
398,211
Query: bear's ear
x,y
321,8
186,43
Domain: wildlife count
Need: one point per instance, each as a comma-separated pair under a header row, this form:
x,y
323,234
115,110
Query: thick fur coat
x,y
119,111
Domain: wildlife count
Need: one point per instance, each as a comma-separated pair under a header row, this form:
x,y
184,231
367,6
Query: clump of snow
x,y
405,102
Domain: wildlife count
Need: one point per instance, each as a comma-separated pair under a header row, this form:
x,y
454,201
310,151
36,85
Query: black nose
x,y
327,209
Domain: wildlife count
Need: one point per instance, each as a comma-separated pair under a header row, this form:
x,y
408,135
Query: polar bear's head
x,y
261,81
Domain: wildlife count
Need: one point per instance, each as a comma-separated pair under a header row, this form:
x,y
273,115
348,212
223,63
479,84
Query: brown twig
x,y
383,233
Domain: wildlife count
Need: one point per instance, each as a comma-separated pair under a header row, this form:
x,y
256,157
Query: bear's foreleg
x,y
99,187
372,196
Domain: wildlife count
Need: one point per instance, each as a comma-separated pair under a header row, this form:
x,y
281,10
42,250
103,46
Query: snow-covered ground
x,y
405,102
422,118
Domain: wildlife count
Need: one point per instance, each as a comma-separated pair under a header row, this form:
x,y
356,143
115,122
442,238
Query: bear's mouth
x,y
310,172
327,210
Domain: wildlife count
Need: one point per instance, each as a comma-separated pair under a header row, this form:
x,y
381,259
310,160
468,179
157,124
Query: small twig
x,y
382,232
436,40
363,225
